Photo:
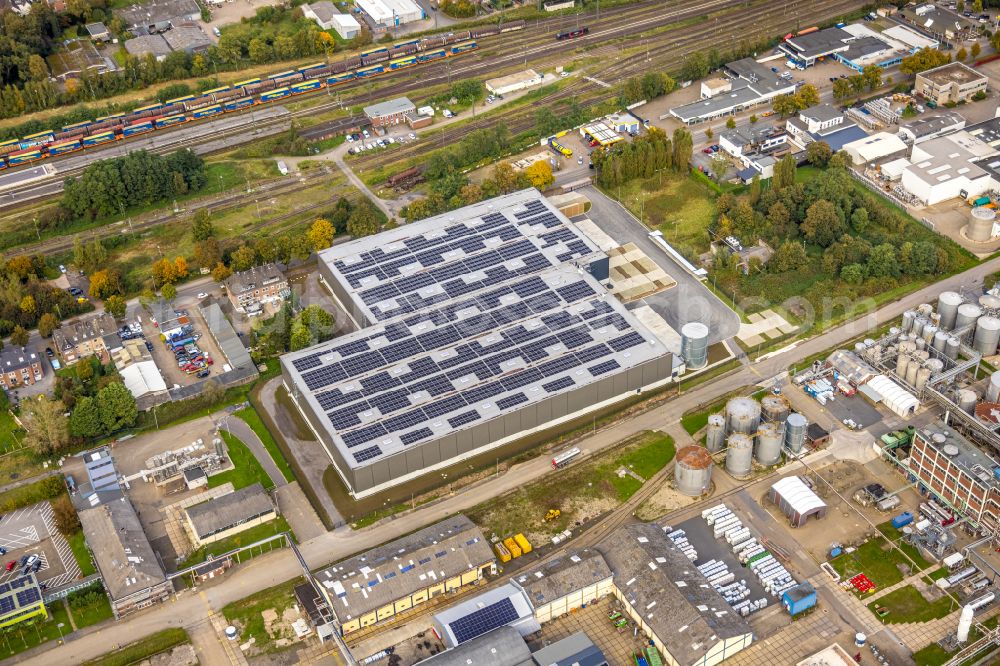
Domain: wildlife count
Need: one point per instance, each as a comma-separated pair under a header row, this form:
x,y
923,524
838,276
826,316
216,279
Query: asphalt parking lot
x,y
32,531
167,362
699,535
855,408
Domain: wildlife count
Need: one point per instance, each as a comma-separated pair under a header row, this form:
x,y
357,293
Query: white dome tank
x,y
980,226
795,432
967,400
952,347
968,313
987,335
693,471
993,388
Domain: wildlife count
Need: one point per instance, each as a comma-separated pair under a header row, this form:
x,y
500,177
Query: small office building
x,y
393,112
21,600
227,515
954,82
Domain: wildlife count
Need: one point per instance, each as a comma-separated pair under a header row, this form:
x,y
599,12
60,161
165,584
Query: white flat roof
x,y
798,494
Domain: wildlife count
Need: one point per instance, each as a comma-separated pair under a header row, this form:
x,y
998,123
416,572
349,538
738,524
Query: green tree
x,y
85,421
822,224
115,305
117,407
300,337
201,225
922,60
784,105
807,96
19,336
46,324
46,425
731,122
753,118
853,273
873,76
363,220
788,257
841,89
882,261
976,50
169,291
784,173
683,148
243,258
962,54
719,167
818,153
859,220
977,6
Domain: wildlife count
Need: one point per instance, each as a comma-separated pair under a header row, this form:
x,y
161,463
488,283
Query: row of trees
x,y
643,157
786,105
27,300
287,331
646,87
109,187
869,79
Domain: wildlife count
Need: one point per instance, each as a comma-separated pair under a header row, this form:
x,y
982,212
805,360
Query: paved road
x,y
245,434
689,300
281,565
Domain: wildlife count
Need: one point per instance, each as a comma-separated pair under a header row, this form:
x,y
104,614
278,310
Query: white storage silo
x,y
902,363
911,373
921,344
948,303
935,365
951,348
775,408
917,329
694,345
929,332
980,226
715,433
923,374
743,415
968,313
795,432
739,455
940,341
989,303
987,335
769,441
967,400
993,388
693,471
908,318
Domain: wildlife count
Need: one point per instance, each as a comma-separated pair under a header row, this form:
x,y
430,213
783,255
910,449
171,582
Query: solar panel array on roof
x,y
483,620
475,313
101,471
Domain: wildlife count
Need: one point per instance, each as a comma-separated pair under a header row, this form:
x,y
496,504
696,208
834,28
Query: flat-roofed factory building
x,y
378,584
477,327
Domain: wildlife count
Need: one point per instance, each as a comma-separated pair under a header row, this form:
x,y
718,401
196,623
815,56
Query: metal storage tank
x,y
894,330
694,345
980,226
951,348
911,374
923,374
908,317
795,432
917,329
935,365
987,335
775,408
743,415
902,363
715,433
929,332
925,310
989,302
940,341
693,471
967,400
921,355
921,344
968,313
947,307
993,388
859,347
739,455
769,441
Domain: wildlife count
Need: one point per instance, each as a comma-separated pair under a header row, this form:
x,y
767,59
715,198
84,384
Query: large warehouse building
x,y
477,327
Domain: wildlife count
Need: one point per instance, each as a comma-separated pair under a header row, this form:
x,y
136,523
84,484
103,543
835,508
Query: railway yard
x,y
649,333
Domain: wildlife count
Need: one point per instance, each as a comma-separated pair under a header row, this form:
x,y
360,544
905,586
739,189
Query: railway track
x,y
660,49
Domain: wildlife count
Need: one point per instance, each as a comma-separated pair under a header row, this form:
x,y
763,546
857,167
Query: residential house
x,y
84,337
250,290
19,366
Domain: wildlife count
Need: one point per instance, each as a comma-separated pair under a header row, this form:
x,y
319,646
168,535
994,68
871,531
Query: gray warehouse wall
x,y
467,440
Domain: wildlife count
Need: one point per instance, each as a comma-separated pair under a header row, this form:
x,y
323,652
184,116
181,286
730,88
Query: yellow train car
x,y
515,550
502,552
523,543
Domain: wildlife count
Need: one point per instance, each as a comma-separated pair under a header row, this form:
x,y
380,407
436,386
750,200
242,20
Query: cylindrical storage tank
x,y
987,335
918,326
694,345
929,332
775,408
921,355
908,347
739,455
859,640
894,330
989,302
911,374
967,400
951,348
795,432
693,471
993,388
769,441
715,433
980,226
965,623
925,310
923,374
902,363
968,313
859,347
947,307
935,365
743,415
940,341
921,344
908,318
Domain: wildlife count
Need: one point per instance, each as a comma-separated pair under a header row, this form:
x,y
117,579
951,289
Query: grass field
x,y
907,605
247,613
134,653
248,471
249,414
79,546
255,533
878,560
19,638
580,491
93,613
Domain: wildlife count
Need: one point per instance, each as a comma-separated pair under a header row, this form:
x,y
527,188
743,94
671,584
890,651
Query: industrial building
x,y
876,147
224,516
757,147
796,500
466,620
158,15
477,327
375,586
868,47
500,647
953,82
21,600
799,599
823,122
805,50
513,82
911,38
390,13
565,584
931,126
392,112
947,167
749,84
574,650
187,38
148,45
670,600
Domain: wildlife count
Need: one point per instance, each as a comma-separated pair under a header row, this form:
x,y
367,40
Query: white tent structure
x,y
797,500
142,378
895,397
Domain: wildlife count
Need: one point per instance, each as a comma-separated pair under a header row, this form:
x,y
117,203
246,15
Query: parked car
x,y
49,352
412,136
76,291
202,294
11,565
62,269
204,373
707,151
3,551
37,565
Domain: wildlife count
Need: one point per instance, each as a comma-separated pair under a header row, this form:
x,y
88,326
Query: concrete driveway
x,y
689,300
